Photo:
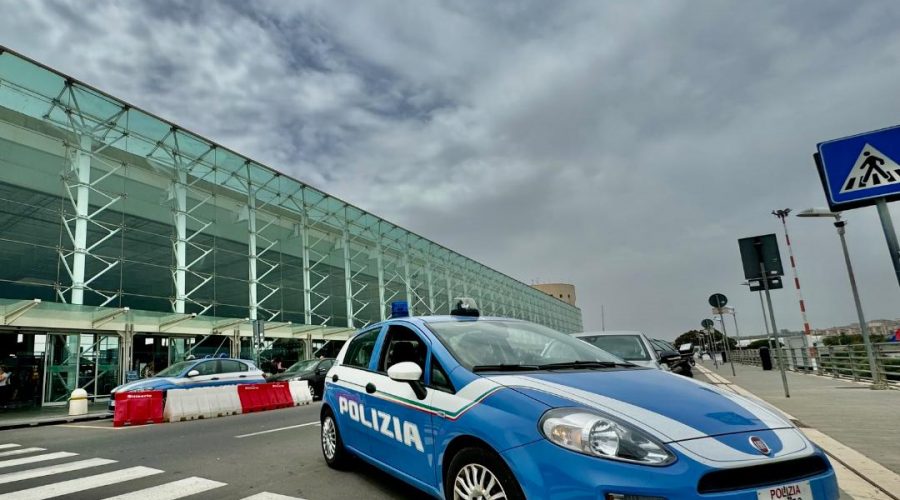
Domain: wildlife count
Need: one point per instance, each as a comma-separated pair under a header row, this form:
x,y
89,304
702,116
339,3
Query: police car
x,y
465,407
205,372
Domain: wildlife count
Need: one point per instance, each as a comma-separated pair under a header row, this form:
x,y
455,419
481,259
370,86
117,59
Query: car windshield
x,y
514,344
174,369
627,347
302,366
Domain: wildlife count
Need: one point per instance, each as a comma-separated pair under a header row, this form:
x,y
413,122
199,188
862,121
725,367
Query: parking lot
x,y
271,455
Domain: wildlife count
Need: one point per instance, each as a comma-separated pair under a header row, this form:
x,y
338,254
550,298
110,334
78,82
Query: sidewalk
x,y
48,415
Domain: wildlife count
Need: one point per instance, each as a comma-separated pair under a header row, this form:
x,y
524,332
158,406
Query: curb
x,y
66,419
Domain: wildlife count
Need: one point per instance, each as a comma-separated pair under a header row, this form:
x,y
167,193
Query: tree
x,y
699,338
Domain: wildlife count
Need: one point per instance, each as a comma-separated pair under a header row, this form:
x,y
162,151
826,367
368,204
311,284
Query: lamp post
x,y
840,224
762,306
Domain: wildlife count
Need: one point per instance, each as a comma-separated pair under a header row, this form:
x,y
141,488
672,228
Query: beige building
x,y
562,291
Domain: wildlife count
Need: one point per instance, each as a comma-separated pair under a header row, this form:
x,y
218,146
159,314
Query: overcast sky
x,y
620,146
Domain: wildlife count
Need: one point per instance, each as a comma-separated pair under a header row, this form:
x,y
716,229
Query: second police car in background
x,y
475,408
205,372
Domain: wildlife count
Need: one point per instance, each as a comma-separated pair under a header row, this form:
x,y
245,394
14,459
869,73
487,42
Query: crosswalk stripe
x,y
7,446
171,491
270,496
20,451
53,469
36,458
80,484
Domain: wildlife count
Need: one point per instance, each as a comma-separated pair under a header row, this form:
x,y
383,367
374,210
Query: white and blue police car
x,y
192,373
466,407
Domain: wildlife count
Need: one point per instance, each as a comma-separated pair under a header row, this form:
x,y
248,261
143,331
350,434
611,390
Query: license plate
x,y
793,491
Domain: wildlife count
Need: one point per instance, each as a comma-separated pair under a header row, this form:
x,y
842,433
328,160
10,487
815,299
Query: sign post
x,y
719,301
707,325
863,170
762,263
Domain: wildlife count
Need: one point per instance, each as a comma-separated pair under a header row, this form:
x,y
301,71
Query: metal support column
x,y
429,277
81,164
251,254
379,262
180,239
348,273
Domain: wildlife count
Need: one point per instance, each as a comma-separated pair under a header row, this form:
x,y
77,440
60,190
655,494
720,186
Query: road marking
x,y
7,446
20,451
53,469
270,496
37,458
81,484
76,426
171,491
279,429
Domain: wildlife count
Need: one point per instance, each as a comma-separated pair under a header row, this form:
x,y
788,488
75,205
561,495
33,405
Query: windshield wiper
x,y
504,368
584,364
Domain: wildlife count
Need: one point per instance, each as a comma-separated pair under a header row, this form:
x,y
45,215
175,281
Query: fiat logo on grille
x,y
760,445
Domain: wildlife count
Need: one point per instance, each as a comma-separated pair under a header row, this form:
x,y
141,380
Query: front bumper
x,y
545,470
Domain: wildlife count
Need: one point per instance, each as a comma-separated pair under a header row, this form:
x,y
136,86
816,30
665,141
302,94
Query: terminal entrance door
x,y
80,361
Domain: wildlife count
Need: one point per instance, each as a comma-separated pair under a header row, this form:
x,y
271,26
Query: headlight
x,y
597,434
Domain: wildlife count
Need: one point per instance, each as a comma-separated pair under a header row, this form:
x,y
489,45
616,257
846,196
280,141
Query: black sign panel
x,y
756,249
774,284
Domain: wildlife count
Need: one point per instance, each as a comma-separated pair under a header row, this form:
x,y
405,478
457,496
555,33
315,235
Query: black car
x,y
680,365
311,370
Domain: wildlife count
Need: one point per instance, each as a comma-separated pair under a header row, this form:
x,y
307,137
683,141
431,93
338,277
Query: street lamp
x,y
840,224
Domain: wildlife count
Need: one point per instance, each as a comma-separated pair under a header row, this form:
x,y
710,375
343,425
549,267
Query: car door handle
x,y
334,378
242,376
370,388
215,378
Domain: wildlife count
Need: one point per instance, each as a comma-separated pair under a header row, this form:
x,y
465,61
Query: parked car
x,y
681,364
633,347
193,373
475,408
311,370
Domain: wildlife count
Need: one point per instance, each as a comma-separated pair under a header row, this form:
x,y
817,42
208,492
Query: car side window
x,y
359,352
402,344
230,366
439,378
326,365
206,367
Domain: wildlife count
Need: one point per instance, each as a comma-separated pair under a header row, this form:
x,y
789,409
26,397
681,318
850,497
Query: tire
x,y
339,456
312,393
469,467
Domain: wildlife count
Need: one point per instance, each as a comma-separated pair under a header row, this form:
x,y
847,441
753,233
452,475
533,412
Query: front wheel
x,y
336,456
479,474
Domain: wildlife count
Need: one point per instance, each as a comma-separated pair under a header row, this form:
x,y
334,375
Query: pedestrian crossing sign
x,y
859,170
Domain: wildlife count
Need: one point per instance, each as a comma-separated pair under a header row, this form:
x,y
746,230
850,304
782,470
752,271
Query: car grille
x,y
762,475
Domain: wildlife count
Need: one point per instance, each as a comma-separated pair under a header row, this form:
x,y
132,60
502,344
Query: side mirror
x,y
669,357
192,373
320,371
406,371
410,373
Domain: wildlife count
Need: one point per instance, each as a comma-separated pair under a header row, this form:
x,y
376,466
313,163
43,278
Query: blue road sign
x,y
859,170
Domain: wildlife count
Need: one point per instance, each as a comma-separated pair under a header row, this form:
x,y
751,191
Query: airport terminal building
x,y
128,243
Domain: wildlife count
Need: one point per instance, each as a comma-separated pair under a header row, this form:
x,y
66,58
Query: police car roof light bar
x,y
465,306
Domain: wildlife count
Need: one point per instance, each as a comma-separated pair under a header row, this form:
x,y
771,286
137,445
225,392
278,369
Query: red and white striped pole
x,y
783,214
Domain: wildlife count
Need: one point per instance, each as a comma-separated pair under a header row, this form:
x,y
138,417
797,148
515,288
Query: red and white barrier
x,y
138,408
300,392
218,401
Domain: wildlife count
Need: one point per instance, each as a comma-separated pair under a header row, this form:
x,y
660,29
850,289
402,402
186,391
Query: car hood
x,y
671,407
147,384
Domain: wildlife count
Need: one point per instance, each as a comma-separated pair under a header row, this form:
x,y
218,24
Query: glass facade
x,y
105,205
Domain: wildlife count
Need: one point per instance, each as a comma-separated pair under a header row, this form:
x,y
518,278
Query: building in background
x,y
562,291
128,243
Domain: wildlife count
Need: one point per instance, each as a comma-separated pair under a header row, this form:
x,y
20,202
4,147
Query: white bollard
x,y
78,402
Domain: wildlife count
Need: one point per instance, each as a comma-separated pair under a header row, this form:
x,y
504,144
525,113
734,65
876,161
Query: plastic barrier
x,y
300,392
181,405
281,394
138,408
202,402
256,397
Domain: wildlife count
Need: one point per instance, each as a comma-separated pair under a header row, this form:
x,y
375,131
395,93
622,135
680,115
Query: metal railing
x,y
838,361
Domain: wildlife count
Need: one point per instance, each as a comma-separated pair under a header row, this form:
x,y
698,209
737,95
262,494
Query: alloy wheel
x,y
477,482
329,438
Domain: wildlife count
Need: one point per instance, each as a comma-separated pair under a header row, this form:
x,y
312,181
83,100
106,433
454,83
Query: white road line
x,y
37,458
20,451
276,430
172,491
81,484
7,446
53,469
270,496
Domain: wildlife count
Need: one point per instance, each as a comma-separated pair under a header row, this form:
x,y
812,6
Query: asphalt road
x,y
250,454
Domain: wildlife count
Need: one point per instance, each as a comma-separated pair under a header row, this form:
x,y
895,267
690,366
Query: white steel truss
x,y
187,201
92,136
